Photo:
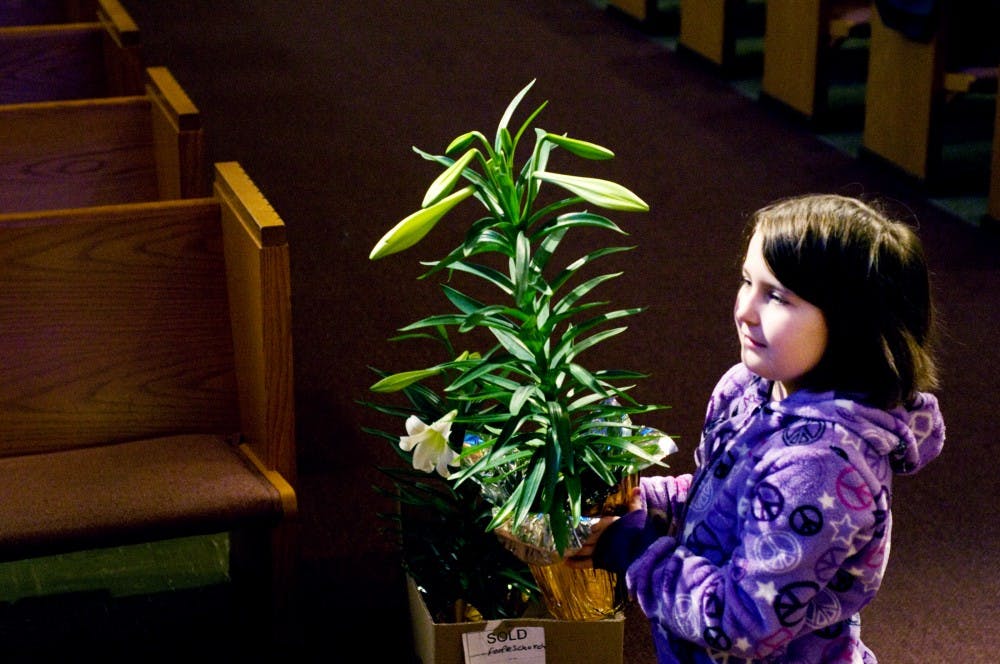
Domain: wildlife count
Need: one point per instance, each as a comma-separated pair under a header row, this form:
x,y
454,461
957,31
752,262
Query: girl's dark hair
x,y
869,277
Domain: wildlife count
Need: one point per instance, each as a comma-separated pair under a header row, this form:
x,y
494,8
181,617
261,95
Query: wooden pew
x,y
102,150
912,86
146,390
715,29
803,42
33,12
72,60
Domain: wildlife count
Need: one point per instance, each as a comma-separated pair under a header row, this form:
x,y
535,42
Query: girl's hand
x,y
582,558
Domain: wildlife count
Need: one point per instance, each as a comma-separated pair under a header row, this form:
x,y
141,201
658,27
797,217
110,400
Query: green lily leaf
x,y
495,277
531,483
434,321
588,379
603,193
571,352
579,328
568,272
574,295
413,228
514,345
561,436
512,106
473,374
522,395
463,302
578,220
494,316
559,522
574,493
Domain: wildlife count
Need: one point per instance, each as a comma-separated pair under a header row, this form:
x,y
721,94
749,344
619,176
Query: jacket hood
x,y
910,436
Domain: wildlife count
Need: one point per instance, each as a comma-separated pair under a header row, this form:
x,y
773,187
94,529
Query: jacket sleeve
x,y
626,539
665,494
804,556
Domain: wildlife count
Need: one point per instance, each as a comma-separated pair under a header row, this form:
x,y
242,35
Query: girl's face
x,y
782,337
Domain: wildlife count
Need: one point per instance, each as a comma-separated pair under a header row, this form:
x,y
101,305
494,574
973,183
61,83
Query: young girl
x,y
772,548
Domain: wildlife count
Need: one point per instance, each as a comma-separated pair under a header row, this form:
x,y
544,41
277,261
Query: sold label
x,y
525,645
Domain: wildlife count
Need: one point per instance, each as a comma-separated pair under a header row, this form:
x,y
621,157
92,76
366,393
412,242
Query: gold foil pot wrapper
x,y
570,593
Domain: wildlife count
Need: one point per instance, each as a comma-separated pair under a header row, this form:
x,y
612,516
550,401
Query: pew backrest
x,y
102,151
99,57
135,321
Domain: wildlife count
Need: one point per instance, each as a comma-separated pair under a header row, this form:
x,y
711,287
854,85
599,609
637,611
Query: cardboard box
x,y
566,641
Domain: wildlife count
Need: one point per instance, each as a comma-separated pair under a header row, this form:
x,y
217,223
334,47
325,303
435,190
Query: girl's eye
x,y
775,296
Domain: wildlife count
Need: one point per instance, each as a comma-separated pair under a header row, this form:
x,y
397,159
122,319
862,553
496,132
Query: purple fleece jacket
x,y
783,533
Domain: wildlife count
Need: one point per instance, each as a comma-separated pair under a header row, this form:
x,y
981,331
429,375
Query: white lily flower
x,y
429,444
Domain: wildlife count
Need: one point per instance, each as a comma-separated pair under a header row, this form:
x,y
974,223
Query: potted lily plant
x,y
512,443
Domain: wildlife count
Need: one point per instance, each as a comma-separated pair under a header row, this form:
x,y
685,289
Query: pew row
x,y
102,151
806,53
724,33
915,95
147,386
73,60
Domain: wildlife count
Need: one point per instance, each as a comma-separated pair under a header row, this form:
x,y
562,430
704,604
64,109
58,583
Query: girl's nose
x,y
744,310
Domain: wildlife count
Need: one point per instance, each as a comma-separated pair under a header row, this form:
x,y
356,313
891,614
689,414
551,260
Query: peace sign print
x,y
713,606
852,490
717,639
875,459
875,557
831,631
792,602
828,565
725,465
702,497
806,520
767,502
803,433
922,424
823,610
777,640
776,552
842,581
705,542
684,618
882,501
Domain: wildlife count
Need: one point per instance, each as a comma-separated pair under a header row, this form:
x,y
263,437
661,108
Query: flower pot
x,y
570,593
